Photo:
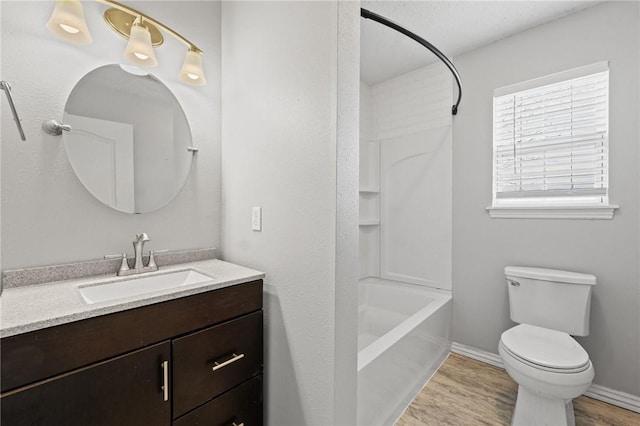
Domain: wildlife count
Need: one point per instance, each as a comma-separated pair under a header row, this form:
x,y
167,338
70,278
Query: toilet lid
x,y
548,348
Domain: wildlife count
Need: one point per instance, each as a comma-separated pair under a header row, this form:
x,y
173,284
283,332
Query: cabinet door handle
x,y
165,380
217,366
237,424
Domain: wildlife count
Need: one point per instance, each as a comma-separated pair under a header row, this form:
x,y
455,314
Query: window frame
x,y
564,207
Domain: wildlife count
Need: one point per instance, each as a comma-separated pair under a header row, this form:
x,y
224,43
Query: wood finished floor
x,y
469,392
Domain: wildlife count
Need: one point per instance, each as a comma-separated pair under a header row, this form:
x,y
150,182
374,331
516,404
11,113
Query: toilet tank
x,y
549,298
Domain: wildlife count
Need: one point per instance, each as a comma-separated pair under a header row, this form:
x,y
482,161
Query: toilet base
x,y
534,410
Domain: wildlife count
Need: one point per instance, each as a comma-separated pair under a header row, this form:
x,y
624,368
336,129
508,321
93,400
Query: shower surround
x,y
405,238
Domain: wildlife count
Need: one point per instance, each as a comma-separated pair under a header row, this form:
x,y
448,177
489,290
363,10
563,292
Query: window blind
x,y
552,141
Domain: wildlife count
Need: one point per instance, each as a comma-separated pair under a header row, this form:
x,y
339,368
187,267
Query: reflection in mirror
x,y
129,139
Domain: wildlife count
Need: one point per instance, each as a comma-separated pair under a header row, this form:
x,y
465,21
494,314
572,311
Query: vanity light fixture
x,y
67,21
191,71
139,49
142,31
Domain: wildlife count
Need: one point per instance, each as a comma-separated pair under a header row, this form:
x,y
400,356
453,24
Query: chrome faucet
x,y
138,246
138,266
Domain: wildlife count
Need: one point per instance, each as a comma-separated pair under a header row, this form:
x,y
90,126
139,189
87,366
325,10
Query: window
x,y
550,146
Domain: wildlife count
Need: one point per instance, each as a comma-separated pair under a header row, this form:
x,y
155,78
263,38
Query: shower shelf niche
x,y
369,207
369,190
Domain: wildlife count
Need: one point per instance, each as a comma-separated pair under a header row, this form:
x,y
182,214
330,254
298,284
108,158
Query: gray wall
x,y
347,186
48,216
290,146
606,248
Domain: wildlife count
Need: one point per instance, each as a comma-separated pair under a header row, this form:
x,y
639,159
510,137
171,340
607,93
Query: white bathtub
x,y
403,337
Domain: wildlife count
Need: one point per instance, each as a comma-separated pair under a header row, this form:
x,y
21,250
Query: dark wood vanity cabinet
x,y
190,361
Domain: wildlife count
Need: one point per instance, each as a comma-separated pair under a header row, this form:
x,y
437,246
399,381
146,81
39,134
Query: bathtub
x,y
403,337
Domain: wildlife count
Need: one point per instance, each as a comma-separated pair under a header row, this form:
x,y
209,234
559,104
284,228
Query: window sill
x,y
552,212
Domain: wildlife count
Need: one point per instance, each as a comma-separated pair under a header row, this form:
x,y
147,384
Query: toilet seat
x,y
562,384
545,349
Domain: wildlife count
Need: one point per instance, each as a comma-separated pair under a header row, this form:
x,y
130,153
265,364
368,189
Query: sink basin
x,y
135,286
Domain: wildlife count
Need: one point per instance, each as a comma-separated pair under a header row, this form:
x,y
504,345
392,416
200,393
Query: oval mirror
x,y
129,140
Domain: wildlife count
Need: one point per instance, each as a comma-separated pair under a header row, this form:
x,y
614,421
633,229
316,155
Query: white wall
x,y
411,103
289,128
48,216
406,124
366,114
609,249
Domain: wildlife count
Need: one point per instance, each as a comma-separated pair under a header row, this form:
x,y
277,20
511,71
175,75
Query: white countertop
x,y
33,307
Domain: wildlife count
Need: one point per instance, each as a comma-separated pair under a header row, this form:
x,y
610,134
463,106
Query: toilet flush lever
x,y
513,283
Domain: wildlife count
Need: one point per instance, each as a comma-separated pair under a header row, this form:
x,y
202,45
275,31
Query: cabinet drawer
x,y
241,405
211,361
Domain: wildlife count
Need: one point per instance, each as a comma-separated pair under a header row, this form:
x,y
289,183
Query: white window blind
x,y
551,141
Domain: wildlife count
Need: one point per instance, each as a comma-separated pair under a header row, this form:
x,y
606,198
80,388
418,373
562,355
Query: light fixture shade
x,y
67,21
191,72
139,49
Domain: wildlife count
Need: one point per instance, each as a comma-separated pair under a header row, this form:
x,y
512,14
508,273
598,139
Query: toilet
x,y
550,367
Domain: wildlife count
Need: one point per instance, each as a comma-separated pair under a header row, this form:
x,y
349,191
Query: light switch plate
x,y
256,219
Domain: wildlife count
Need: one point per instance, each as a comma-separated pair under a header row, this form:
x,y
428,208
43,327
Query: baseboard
x,y
477,354
614,397
601,393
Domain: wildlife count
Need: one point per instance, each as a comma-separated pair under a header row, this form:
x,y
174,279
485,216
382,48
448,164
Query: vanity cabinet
x,y
188,361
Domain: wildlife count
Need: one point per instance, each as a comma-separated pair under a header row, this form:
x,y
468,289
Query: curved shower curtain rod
x,y
384,21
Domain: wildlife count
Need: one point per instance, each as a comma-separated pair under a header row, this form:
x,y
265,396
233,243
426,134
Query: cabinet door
x,y
127,390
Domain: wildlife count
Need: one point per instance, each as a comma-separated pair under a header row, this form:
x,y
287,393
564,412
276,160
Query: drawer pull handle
x,y
237,424
165,380
217,366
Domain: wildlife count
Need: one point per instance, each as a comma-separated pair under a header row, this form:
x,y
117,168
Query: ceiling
x,y
453,26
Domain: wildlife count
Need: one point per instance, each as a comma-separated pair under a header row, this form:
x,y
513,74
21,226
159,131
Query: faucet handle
x,y
142,237
152,258
124,265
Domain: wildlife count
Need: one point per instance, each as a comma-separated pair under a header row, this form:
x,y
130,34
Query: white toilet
x,y
550,367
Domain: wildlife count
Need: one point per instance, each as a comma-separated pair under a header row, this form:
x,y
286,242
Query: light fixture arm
x,y
144,17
